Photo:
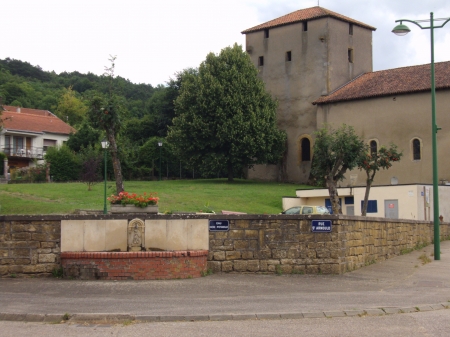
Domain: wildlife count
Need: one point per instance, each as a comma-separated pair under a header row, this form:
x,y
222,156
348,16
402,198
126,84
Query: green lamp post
x,y
160,146
401,30
105,145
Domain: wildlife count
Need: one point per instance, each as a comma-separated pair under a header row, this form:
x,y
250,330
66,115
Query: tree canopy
x,y
225,120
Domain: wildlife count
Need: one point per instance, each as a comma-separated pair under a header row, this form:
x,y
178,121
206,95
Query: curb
x,y
100,318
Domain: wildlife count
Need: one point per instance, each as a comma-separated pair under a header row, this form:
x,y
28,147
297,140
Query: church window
x,y
373,147
305,26
288,56
266,33
306,149
261,61
416,149
350,29
350,55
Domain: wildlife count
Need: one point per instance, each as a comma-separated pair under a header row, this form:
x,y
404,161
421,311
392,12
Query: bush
x,y
33,174
64,164
2,163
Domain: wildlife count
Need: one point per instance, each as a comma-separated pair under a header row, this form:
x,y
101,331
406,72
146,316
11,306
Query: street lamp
x,y
160,146
105,145
401,30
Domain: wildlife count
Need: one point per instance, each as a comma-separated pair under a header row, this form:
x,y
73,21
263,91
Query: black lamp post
x,y
160,146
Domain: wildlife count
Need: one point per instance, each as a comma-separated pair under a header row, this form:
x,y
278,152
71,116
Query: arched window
x,y
306,149
373,147
416,149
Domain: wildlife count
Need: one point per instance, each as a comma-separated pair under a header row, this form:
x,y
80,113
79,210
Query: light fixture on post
x,y
105,145
160,146
401,30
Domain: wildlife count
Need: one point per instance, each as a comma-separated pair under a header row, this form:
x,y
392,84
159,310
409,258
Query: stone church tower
x,y
302,56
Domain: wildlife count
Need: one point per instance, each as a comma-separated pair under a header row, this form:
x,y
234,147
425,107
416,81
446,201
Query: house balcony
x,y
29,152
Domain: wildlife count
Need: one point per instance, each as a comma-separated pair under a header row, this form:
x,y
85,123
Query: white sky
x,y
154,39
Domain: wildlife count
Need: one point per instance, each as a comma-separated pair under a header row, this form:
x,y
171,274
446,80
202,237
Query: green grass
x,y
175,195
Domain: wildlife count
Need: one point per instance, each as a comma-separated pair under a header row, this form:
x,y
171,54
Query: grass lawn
x,y
175,195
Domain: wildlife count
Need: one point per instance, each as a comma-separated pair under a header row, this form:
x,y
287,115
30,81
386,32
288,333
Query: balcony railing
x,y
27,152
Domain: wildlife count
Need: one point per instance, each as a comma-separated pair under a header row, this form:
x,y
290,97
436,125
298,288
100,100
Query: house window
x,y
350,28
306,149
416,149
288,56
373,147
305,26
350,55
17,145
266,33
372,206
49,143
349,200
261,61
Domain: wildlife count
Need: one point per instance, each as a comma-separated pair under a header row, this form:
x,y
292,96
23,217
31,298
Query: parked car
x,y
307,209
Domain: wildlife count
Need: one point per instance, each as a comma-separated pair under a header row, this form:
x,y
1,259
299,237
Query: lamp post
x,y
401,30
105,145
160,146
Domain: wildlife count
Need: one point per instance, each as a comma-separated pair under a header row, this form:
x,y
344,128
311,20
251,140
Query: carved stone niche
x,y
136,235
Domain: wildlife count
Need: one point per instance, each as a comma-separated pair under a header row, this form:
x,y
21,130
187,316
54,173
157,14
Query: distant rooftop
x,y
391,82
305,15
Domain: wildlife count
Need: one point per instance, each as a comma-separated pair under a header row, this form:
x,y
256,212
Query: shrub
x,y
64,164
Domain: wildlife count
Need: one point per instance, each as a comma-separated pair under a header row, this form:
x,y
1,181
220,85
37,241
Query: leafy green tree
x,y
84,137
105,113
224,116
335,152
64,163
70,108
373,162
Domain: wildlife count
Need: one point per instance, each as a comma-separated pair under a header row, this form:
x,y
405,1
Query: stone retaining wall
x,y
29,247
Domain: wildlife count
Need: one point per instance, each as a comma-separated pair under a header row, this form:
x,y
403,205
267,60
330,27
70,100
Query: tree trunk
x,y
115,161
366,195
334,198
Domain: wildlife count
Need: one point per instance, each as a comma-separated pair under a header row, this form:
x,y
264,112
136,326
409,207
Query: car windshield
x,y
322,210
293,210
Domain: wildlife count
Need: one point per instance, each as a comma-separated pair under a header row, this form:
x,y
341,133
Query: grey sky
x,y
154,39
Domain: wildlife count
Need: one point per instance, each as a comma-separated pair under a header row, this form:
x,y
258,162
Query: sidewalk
x,y
401,284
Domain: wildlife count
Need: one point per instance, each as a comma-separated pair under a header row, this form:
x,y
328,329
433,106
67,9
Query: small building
x,y
28,133
414,201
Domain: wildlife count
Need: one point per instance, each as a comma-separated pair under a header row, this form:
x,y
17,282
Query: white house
x,y
27,133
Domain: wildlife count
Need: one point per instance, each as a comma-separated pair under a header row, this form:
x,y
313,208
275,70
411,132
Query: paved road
x,y
401,284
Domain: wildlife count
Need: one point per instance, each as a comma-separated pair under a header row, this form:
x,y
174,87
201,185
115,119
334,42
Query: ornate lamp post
x,y
105,145
401,30
160,146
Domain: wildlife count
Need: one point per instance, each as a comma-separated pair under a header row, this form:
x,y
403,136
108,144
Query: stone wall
x,y
285,244
29,247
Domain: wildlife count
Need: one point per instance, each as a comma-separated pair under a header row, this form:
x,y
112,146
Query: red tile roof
x,y
34,122
304,15
391,82
28,110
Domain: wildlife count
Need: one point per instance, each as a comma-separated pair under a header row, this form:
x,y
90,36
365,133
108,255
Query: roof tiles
x,y
391,82
304,15
34,121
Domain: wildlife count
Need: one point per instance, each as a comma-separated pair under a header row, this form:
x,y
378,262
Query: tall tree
x,y
70,108
105,113
371,162
335,152
224,116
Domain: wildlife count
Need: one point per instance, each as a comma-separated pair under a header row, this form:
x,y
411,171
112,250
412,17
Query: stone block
x,y
215,266
4,253
241,244
14,269
312,269
273,262
6,261
5,237
219,256
21,261
285,269
263,265
94,235
247,255
263,254
48,244
240,265
19,253
38,268
47,258
116,235
233,255
236,234
221,235
156,234
17,228
72,235
243,224
279,254
253,265
39,237
198,234
253,244
251,234
21,236
4,269
227,266
177,237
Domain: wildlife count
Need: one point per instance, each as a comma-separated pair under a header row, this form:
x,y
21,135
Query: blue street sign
x,y
321,226
219,225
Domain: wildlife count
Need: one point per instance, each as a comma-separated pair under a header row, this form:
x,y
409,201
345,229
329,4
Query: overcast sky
x,y
154,39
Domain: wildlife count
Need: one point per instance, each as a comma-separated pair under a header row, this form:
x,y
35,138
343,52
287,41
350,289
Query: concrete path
x,y
399,285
